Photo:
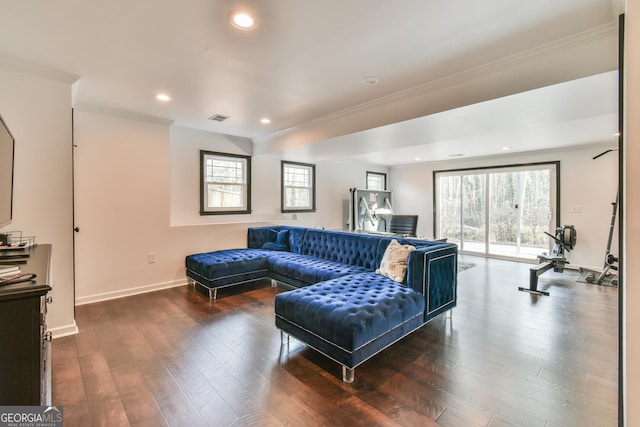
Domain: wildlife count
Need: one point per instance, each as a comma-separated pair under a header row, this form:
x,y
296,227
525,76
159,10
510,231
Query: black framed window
x,y
298,187
376,181
225,183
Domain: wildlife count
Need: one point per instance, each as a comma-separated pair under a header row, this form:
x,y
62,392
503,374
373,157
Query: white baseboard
x,y
129,292
63,331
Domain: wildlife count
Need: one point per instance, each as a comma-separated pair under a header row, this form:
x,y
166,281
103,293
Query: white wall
x,y
185,146
123,187
334,178
137,192
37,110
587,183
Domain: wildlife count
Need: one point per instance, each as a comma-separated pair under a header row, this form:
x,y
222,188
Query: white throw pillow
x,y
394,261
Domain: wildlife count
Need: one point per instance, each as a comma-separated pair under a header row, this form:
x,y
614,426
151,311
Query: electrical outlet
x,y
576,209
151,257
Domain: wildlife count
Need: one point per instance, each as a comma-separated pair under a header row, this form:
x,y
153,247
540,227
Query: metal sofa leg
x,y
213,295
348,375
284,338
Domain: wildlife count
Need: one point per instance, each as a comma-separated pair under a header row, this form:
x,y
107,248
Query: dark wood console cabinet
x,y
25,374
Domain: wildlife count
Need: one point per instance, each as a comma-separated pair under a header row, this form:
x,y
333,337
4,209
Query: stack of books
x,y
6,270
12,257
10,274
14,252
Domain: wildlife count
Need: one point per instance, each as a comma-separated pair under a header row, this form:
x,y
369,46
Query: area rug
x,y
462,266
608,279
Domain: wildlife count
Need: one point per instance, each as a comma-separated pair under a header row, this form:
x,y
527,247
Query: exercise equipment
x,y
610,260
369,210
565,240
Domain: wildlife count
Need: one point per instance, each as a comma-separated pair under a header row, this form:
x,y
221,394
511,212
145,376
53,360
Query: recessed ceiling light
x,y
163,97
265,121
242,20
416,159
506,148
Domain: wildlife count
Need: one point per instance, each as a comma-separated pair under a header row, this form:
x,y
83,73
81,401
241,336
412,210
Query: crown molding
x,y
16,65
572,41
516,154
122,114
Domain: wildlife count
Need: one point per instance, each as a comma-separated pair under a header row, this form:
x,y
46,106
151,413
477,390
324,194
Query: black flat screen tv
x,y
7,148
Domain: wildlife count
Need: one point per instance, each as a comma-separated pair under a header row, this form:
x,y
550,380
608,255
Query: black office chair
x,y
404,224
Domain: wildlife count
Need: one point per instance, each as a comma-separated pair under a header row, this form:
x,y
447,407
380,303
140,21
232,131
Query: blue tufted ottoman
x,y
351,318
228,267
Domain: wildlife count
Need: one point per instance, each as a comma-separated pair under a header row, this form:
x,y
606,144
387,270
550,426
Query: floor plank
x,y
504,358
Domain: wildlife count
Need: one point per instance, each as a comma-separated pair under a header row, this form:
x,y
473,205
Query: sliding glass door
x,y
502,212
462,210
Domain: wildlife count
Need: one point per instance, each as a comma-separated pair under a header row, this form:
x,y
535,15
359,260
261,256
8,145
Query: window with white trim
x,y
225,183
298,187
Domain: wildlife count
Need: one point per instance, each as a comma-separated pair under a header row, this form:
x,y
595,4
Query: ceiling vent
x,y
218,117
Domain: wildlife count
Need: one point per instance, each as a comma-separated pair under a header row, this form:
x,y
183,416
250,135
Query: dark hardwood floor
x,y
505,358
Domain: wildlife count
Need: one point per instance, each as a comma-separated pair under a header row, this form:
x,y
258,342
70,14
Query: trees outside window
x,y
503,211
298,187
225,183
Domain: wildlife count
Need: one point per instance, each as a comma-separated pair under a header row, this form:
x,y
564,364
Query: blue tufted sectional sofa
x,y
339,306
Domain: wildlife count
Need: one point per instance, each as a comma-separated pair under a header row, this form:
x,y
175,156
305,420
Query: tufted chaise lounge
x,y
340,306
350,318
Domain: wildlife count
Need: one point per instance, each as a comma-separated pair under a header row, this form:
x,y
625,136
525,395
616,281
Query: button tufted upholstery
x,y
351,311
309,269
341,308
227,267
359,250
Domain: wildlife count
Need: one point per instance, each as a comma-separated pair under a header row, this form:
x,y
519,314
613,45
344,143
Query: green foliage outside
x,y
517,200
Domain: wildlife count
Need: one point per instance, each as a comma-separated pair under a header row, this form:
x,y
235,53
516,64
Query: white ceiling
x,y
575,113
304,63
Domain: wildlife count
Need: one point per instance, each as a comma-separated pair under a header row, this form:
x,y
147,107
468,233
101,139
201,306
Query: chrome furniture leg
x,y
348,375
